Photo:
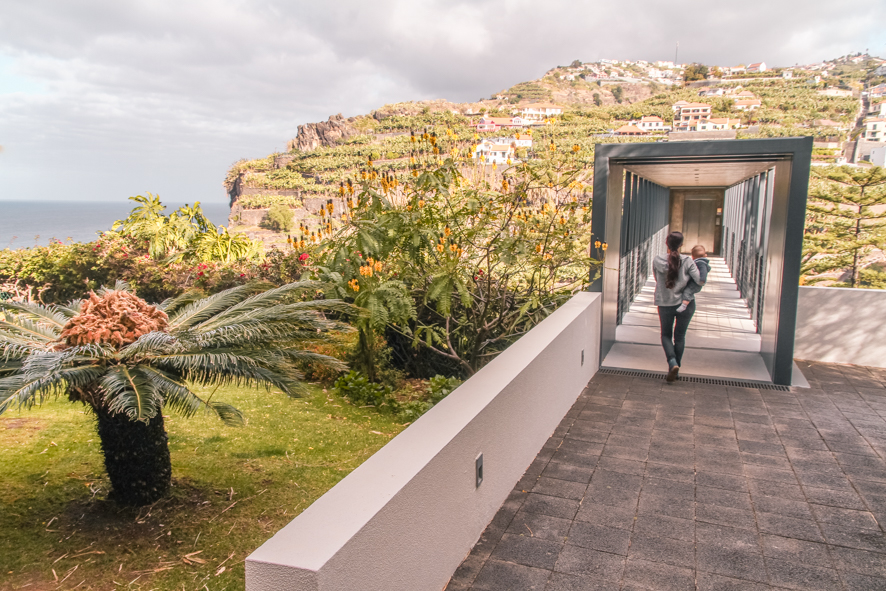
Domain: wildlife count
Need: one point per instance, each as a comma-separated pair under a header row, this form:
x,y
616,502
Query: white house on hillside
x,y
520,140
877,109
714,124
878,91
493,152
875,129
686,112
496,123
748,104
758,67
540,111
630,130
650,123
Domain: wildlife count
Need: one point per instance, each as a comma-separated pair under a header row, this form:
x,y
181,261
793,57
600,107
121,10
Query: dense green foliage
x,y
60,272
459,265
184,235
279,218
262,201
357,388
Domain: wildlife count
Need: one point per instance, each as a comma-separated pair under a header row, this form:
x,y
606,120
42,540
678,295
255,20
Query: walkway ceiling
x,y
699,173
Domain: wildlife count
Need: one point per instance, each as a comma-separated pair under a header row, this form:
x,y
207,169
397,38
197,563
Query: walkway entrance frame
x,y
765,184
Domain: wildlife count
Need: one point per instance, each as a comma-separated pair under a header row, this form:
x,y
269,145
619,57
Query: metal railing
x,y
747,206
643,225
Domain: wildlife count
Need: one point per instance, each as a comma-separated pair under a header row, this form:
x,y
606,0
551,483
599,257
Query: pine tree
x,y
846,220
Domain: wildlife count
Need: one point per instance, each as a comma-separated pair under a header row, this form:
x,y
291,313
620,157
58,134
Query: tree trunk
x,y
136,457
855,250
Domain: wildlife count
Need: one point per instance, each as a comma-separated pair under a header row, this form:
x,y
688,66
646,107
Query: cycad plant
x,y
128,360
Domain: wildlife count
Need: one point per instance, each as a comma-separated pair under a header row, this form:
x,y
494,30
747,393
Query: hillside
x,y
596,99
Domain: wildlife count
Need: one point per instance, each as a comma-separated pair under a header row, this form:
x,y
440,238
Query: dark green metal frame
x,y
778,286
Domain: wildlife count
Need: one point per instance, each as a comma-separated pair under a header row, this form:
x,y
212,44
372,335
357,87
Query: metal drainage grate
x,y
694,380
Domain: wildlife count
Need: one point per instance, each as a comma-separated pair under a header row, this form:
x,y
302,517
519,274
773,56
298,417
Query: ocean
x,y
35,223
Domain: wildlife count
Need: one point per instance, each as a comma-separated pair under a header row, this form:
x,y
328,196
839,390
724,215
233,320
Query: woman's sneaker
x,y
673,372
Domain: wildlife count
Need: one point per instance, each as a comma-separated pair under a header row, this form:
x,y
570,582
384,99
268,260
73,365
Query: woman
x,y
672,273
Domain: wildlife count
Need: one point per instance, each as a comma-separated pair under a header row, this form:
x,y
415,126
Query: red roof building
x,y
630,130
686,112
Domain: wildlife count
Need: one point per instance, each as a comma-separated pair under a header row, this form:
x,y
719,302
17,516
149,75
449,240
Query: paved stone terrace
x,y
646,485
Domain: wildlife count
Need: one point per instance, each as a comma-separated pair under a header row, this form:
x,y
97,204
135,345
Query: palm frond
x,y
119,285
176,395
202,310
127,390
151,343
50,315
173,305
19,325
14,389
46,373
227,413
70,309
230,366
255,334
262,300
18,390
17,348
281,318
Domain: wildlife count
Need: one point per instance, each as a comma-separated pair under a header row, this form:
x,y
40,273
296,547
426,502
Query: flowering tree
x,y
462,260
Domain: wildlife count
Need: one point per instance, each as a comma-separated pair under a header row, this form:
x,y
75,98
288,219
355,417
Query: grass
x,y
234,487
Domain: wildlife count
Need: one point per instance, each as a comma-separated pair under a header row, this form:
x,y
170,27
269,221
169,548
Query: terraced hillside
x,y
389,141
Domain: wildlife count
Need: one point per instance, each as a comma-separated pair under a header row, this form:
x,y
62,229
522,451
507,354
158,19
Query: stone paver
x,y
650,486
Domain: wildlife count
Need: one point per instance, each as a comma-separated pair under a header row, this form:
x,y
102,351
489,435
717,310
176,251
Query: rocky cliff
x,y
326,133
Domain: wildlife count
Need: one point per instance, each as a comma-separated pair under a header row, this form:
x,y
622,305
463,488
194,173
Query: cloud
x,y
101,100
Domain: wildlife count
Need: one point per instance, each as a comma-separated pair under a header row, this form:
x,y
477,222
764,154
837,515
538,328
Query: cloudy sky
x,y
101,99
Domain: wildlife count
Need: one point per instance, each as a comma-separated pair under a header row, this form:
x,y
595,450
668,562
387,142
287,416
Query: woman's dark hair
x,y
674,241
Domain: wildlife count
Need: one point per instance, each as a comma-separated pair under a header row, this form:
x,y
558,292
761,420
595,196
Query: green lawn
x,y
233,487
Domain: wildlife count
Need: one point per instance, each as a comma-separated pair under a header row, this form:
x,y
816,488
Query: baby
x,y
704,266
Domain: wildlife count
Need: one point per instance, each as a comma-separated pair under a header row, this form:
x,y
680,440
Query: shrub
x,y
60,272
339,346
439,387
279,218
458,266
358,389
873,278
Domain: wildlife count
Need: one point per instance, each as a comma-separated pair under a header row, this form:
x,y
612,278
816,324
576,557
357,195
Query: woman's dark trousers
x,y
673,335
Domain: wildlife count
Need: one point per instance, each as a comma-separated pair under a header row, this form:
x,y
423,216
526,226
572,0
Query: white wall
x,y
841,325
407,517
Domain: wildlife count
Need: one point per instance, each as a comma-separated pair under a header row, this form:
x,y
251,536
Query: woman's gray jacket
x,y
673,296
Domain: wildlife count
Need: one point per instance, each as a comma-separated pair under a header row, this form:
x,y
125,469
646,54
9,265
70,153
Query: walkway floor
x,y
722,340
646,485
